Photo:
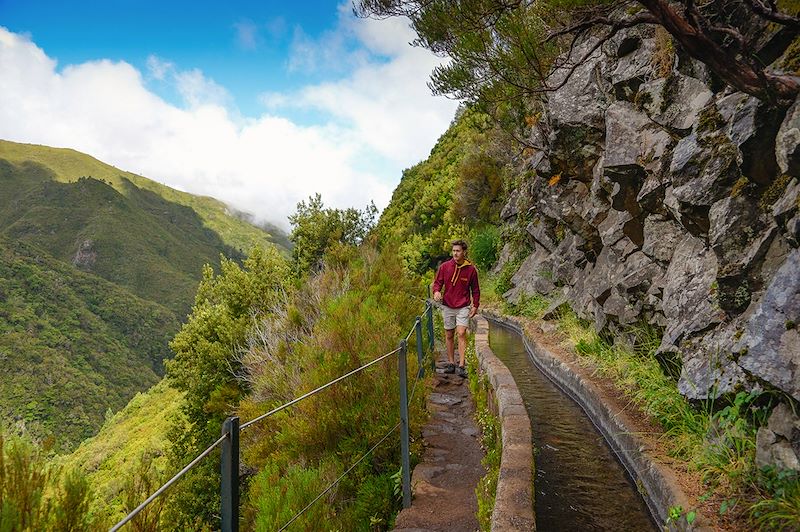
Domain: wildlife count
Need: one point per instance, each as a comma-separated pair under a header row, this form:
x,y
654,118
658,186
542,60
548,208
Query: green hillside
x,y
72,346
138,431
455,191
138,240
97,269
69,165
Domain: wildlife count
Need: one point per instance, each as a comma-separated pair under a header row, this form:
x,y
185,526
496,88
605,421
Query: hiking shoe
x,y
449,368
462,371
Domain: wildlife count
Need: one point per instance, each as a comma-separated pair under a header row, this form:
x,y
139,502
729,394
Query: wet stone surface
x,y
443,483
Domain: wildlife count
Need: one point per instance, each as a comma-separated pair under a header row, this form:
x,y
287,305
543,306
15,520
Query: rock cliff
x,y
655,195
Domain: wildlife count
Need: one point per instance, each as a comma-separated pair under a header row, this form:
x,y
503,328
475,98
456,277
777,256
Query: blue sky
x,y
243,46
258,103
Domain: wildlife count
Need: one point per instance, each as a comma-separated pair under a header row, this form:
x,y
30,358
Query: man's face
x,y
458,254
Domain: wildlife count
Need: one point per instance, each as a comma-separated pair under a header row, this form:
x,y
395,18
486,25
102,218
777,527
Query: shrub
x,y
277,496
376,502
38,496
484,248
503,281
349,316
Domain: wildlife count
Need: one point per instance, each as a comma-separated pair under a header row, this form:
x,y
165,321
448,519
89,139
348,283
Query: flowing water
x,y
579,483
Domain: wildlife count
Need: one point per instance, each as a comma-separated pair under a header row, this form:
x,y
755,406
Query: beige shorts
x,y
455,316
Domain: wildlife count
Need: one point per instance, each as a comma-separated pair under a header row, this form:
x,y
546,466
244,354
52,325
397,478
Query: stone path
x,y
443,483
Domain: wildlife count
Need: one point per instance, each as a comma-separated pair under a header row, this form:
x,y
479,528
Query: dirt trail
x,y
443,483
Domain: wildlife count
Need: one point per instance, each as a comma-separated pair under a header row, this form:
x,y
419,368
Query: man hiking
x,y
457,280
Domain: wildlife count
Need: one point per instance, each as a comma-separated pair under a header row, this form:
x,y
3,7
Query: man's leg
x,y
449,337
462,345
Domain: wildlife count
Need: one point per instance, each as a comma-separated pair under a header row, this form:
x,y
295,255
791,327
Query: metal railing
x,y
231,429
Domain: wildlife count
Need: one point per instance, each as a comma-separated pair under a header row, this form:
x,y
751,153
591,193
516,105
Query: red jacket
x,y
457,282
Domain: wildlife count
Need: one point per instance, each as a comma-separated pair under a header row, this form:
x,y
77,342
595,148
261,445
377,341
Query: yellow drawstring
x,y
455,272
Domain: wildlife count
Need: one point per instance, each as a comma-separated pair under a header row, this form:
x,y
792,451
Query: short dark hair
x,y
461,243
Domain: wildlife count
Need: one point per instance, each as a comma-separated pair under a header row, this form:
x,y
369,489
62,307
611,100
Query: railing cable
x,y
410,332
169,483
312,392
335,482
413,389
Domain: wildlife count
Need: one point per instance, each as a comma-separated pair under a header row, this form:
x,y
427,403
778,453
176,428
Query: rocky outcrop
x,y
770,346
664,200
85,256
778,443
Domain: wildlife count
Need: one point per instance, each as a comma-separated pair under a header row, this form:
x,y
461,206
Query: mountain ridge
x,y
69,165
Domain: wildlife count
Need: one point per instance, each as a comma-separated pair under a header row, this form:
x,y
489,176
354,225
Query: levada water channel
x,y
579,483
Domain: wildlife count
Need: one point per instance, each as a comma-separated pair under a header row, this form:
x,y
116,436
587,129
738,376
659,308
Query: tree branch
x,y
773,14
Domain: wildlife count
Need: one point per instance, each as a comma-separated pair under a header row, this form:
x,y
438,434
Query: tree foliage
x,y
205,347
316,229
457,188
205,366
502,50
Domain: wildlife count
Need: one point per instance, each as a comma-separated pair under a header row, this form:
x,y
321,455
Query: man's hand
x,y
437,296
472,312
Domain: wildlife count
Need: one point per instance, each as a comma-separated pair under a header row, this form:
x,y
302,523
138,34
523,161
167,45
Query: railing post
x,y
229,468
420,357
405,460
429,312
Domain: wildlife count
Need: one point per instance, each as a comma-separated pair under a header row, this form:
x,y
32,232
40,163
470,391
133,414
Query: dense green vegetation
x,y
35,495
355,309
134,438
256,339
96,274
72,346
456,192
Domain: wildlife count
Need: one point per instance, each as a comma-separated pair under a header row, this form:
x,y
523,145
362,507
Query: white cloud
x,y
246,34
385,101
197,90
159,68
276,27
379,117
334,51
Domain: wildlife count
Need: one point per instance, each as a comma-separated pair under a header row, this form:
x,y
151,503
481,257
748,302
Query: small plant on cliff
x,y
773,192
529,305
740,187
779,509
709,119
484,248
503,281
663,58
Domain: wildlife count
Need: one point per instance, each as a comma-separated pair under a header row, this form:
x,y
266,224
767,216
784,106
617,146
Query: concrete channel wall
x,y
656,482
513,508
